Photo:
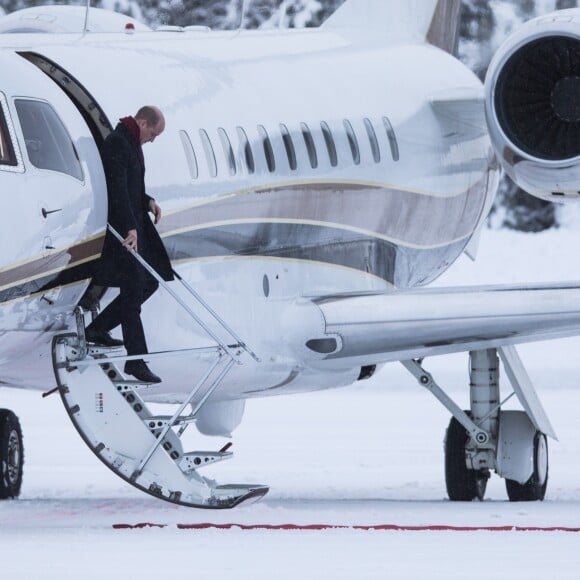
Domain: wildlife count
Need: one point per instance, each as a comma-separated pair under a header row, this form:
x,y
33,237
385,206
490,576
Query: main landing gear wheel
x,y
11,455
463,484
535,488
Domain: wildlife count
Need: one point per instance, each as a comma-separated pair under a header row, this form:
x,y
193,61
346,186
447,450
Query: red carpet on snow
x,y
378,527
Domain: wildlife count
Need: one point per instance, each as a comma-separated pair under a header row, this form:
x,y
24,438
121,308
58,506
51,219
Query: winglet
x,y
433,21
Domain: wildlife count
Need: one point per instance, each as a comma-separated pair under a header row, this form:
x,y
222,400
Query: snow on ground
x,y
366,455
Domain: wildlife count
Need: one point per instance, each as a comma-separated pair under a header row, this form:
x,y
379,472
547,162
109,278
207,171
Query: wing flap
x,y
375,328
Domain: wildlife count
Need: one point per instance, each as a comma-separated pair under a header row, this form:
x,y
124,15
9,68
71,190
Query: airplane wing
x,y
373,328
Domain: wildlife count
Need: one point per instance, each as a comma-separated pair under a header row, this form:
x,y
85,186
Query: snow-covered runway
x,y
346,458
369,455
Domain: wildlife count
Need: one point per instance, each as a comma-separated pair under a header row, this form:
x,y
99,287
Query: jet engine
x,y
532,100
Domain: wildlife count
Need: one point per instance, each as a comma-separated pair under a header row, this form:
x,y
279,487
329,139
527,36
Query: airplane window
x,y
228,151
209,154
189,154
248,155
329,140
268,151
289,145
310,146
373,140
392,139
7,156
352,141
48,143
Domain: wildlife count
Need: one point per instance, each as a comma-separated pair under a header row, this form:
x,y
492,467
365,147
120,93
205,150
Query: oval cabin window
x,y
352,141
268,151
289,146
247,150
189,154
228,151
374,142
330,145
209,153
310,146
392,139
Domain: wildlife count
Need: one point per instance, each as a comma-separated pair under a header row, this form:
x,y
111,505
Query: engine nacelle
x,y
533,106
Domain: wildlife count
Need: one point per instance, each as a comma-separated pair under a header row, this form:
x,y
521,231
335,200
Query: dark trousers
x,y
125,310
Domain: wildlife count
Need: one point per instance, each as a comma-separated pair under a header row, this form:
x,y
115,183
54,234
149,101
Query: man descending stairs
x,y
114,420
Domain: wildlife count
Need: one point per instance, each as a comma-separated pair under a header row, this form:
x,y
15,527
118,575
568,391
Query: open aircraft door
x,y
55,201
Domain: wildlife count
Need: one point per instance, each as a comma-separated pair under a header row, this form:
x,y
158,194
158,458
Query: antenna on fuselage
x,y
283,10
243,16
86,25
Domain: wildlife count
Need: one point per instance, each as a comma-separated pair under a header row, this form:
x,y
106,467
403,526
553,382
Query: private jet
x,y
313,182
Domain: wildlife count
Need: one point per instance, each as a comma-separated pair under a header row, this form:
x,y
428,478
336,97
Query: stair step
x,y
97,350
127,386
114,421
158,422
196,459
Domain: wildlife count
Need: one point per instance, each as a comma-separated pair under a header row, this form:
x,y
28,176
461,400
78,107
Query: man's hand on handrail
x,y
130,242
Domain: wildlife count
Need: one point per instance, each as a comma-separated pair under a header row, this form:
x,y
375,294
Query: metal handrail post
x,y
210,391
177,413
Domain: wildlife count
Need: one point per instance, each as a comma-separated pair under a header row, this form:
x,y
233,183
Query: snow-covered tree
x,y
476,32
186,12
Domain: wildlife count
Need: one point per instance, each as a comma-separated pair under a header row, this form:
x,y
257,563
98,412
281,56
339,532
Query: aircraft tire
x,y
462,484
11,455
535,488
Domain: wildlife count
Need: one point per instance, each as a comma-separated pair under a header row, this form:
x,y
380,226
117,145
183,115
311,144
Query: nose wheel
x,y
11,455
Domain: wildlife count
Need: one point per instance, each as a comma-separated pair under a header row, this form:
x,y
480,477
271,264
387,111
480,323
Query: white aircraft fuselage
x,y
294,164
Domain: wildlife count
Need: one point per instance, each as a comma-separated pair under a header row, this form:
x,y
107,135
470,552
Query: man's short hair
x,y
149,115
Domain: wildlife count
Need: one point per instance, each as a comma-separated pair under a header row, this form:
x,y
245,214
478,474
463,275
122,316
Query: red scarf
x,y
131,125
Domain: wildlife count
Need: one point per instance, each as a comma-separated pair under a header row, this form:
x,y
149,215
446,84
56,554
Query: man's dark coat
x,y
128,207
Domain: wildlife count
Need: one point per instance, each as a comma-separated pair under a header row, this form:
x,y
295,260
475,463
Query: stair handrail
x,y
166,287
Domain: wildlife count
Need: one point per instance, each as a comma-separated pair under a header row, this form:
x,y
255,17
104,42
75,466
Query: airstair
x,y
141,447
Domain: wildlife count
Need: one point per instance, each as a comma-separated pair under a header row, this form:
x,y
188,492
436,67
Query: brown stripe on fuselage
x,y
415,219
52,263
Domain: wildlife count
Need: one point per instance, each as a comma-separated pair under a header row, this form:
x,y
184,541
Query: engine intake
x,y
533,106
537,98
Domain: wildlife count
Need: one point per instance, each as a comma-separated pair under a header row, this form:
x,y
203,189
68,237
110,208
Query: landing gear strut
x,y
486,438
11,455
